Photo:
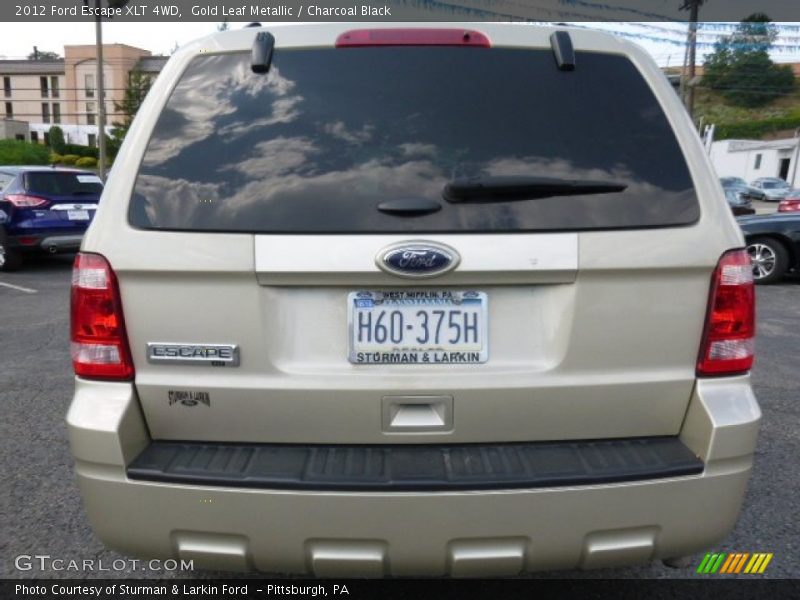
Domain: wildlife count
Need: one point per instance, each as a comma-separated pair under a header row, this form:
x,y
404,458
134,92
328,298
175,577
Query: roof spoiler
x,y
261,58
563,51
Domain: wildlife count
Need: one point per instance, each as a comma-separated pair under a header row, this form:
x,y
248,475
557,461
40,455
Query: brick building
x,y
44,93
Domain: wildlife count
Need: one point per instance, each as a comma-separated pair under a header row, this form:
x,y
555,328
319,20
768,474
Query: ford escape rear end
x,y
395,301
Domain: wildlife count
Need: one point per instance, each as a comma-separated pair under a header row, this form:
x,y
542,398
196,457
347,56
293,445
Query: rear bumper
x,y
375,533
424,468
739,211
47,242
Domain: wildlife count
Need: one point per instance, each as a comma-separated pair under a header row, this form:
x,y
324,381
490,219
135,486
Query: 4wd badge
x,y
188,398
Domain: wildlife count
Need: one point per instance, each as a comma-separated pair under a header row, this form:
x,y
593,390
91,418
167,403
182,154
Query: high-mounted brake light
x,y
727,347
99,343
25,201
412,37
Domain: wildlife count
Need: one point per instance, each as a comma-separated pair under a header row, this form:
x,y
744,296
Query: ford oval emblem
x,y
417,259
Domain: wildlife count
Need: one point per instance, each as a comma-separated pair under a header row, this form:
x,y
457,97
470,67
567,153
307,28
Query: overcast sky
x,y
18,39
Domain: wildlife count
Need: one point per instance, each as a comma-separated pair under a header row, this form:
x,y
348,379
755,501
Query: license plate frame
x,y
78,215
420,354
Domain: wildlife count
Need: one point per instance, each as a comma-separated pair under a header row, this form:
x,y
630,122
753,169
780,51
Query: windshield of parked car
x,y
734,197
60,183
733,181
328,134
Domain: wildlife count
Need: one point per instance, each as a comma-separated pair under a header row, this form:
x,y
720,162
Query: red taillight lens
x,y
26,201
99,344
412,37
789,205
727,347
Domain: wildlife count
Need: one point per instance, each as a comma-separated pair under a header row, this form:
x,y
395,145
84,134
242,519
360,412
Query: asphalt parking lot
x,y
42,511
764,208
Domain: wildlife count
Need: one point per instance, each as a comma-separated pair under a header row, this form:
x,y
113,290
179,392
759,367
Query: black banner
x,y
391,589
390,10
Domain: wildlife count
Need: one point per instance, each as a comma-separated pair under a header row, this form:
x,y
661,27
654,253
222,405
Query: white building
x,y
85,135
751,159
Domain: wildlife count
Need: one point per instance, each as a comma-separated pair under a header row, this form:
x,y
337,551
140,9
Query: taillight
x,y
789,206
412,37
730,329
99,344
25,201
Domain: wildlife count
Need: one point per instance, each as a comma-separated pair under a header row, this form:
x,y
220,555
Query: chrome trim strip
x,y
175,353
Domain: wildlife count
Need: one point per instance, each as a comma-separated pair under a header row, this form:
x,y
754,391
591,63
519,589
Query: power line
x,y
66,114
78,89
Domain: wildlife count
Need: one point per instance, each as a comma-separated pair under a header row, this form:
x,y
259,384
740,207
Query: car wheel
x,y
770,260
10,260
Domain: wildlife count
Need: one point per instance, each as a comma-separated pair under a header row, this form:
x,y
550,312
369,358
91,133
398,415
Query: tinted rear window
x,y
328,134
56,183
5,179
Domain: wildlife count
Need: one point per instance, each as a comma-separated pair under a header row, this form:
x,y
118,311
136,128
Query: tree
x,y
57,143
42,55
139,84
740,67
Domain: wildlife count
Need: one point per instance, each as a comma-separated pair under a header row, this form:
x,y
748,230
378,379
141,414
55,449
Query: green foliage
x,y
17,152
754,129
57,139
113,142
740,67
55,158
43,55
80,150
139,84
86,161
69,159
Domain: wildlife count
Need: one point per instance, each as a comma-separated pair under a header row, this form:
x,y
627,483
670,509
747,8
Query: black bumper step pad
x,y
414,467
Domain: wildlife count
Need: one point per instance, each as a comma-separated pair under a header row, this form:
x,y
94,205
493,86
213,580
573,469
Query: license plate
x,y
78,215
418,327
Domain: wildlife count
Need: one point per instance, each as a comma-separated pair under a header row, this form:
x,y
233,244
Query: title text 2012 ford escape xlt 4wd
x,y
412,300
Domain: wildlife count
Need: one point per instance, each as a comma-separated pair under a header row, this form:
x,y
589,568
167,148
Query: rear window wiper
x,y
520,187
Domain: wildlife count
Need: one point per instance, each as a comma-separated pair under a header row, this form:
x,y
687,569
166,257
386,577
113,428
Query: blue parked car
x,y
43,209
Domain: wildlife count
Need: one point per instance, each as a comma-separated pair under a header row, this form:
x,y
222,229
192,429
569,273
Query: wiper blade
x,y
511,188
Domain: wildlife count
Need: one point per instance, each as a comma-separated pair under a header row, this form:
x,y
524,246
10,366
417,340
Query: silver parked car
x,y
740,186
775,189
373,303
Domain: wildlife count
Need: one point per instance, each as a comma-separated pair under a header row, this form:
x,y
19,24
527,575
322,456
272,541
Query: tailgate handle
x,y
417,413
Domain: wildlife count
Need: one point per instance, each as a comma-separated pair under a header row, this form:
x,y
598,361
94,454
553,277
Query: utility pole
x,y
101,96
794,181
684,79
693,6
101,86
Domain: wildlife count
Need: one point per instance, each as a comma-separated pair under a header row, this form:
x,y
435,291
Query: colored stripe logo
x,y
734,563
